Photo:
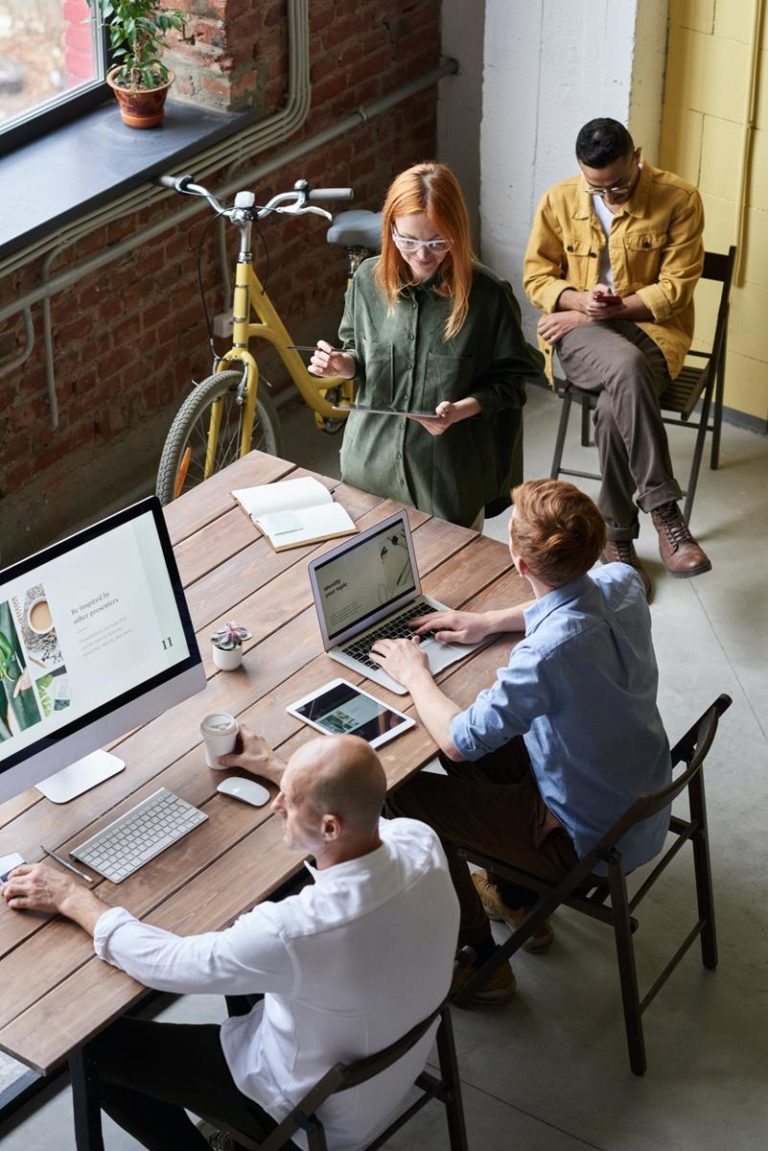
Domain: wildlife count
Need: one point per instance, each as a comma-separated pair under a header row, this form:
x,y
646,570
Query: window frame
x,y
65,110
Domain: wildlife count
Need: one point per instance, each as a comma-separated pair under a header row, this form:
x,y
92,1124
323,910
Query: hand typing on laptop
x,y
455,626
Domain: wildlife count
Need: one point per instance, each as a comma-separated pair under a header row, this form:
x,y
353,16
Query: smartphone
x,y
607,298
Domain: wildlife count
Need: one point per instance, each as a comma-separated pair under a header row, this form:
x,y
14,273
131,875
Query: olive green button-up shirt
x,y
655,248
404,362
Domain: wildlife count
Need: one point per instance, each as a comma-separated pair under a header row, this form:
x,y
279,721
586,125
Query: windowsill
x,y
79,167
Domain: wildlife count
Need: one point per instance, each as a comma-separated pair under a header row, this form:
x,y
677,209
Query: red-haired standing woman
x,y
428,329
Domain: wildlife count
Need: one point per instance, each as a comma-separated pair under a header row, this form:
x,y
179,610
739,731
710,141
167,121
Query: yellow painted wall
x,y
702,136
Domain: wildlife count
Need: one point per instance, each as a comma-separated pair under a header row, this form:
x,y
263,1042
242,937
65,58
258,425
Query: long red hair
x,y
431,189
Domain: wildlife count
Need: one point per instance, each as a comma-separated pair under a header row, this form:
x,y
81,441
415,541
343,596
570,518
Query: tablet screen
x,y
341,709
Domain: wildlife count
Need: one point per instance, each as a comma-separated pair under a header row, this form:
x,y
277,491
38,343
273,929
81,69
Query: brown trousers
x,y
494,806
627,370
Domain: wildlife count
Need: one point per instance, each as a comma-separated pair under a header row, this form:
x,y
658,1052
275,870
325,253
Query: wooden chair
x,y
445,1087
705,383
607,898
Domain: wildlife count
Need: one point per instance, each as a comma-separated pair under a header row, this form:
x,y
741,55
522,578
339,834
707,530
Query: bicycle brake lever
x,y
299,210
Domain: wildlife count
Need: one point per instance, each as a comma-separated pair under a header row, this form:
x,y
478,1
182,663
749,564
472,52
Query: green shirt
x,y
404,362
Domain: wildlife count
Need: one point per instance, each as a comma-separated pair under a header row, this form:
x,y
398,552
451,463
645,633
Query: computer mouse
x,y
246,789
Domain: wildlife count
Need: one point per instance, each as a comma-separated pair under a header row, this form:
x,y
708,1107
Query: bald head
x,y
341,775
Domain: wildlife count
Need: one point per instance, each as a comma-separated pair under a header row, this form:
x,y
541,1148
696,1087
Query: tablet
x,y
338,708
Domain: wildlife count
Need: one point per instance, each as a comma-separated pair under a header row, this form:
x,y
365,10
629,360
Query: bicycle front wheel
x,y
182,463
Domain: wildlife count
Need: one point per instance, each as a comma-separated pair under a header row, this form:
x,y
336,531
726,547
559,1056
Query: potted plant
x,y
227,643
139,79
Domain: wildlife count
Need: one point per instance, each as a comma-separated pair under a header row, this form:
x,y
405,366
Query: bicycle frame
x,y
250,296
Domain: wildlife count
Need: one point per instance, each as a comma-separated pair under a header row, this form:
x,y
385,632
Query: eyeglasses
x,y
408,244
620,189
614,190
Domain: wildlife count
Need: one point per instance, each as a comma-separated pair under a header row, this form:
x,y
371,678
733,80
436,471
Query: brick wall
x,y
121,364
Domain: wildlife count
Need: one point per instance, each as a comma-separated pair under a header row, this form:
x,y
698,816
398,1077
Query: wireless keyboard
x,y
123,846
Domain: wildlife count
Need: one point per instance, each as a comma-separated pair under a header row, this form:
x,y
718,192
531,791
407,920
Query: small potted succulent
x,y
136,30
227,643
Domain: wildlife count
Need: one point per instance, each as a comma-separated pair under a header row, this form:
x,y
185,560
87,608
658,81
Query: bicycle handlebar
x,y
298,198
331,194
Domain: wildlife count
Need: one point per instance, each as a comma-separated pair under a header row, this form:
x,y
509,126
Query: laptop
x,y
369,587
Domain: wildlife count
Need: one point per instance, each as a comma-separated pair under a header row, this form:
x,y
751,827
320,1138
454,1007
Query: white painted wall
x,y
460,100
547,67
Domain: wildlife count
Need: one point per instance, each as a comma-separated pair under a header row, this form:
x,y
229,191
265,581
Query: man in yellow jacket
x,y
612,261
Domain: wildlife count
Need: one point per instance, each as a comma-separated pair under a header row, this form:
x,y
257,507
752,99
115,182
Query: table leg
x,y
85,1102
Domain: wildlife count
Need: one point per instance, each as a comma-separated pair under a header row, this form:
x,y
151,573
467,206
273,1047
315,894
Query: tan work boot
x,y
500,988
623,552
681,554
495,908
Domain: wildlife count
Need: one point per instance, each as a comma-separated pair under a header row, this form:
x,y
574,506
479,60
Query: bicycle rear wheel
x,y
182,463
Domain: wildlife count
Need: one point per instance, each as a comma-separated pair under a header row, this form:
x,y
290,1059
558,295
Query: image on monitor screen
x,y
95,638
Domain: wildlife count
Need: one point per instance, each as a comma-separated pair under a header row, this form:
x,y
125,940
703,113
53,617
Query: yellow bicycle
x,y
227,415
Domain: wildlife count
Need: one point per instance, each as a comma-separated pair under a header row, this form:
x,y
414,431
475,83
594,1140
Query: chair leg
x,y
703,873
717,419
622,928
562,429
698,452
586,413
449,1071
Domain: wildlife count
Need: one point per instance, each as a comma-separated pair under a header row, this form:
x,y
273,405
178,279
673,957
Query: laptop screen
x,y
357,583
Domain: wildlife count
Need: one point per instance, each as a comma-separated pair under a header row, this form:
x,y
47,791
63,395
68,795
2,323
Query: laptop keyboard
x,y
396,628
139,835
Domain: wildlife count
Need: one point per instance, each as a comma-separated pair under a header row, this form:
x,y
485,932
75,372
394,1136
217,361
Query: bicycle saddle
x,y
356,229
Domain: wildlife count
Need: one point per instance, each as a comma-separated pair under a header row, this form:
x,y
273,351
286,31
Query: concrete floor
x,y
549,1072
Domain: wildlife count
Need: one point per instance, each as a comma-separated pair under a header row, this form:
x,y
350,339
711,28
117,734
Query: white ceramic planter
x,y
227,660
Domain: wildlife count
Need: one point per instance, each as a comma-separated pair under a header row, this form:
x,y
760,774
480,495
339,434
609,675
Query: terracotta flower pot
x,y
140,107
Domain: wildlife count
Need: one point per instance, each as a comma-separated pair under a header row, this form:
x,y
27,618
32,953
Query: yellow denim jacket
x,y
656,250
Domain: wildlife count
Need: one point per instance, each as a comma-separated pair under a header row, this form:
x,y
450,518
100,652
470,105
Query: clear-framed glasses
x,y
408,244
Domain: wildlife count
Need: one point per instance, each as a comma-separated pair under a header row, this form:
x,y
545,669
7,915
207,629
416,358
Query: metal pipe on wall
x,y
748,135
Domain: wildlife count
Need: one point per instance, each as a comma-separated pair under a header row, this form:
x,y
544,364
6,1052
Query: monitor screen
x,y
95,638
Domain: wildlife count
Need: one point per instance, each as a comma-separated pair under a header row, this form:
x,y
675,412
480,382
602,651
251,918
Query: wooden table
x,y
55,993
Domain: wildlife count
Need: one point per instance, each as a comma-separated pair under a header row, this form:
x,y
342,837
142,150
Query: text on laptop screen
x,y
83,629
372,573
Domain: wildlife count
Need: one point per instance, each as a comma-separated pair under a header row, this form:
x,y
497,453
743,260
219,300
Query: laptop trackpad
x,y
442,654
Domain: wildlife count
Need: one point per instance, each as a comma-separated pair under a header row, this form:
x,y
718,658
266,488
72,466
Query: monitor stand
x,y
80,776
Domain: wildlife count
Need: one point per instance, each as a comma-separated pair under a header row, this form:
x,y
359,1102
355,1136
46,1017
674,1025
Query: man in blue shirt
x,y
563,741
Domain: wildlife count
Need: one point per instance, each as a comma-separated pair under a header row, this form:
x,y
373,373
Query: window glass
x,y
50,54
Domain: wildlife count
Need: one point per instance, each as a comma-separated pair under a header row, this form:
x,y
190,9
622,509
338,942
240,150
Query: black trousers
x,y
149,1072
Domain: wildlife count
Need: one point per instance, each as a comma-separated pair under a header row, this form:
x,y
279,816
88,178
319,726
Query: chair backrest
x,y
341,1077
719,267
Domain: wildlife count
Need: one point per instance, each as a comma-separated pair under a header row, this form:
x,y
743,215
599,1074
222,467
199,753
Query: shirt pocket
x,y
379,387
645,252
581,254
446,378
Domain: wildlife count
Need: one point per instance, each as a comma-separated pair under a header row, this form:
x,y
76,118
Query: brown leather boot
x,y
681,554
623,552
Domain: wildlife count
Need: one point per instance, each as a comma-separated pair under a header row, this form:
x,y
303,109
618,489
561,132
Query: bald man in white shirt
x,y
334,986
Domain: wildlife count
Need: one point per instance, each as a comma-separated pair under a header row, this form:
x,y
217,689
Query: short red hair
x,y
556,529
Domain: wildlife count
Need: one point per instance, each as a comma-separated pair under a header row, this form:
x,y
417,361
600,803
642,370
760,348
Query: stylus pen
x,y
65,863
308,348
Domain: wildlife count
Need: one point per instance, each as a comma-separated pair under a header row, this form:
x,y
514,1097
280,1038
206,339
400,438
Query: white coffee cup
x,y
219,732
39,616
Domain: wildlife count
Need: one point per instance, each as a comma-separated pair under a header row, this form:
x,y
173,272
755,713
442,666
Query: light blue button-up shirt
x,y
580,688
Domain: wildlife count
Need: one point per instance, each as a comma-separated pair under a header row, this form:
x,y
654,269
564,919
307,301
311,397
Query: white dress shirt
x,y
347,966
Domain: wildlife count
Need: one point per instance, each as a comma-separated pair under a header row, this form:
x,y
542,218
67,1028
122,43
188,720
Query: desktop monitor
x,y
95,639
